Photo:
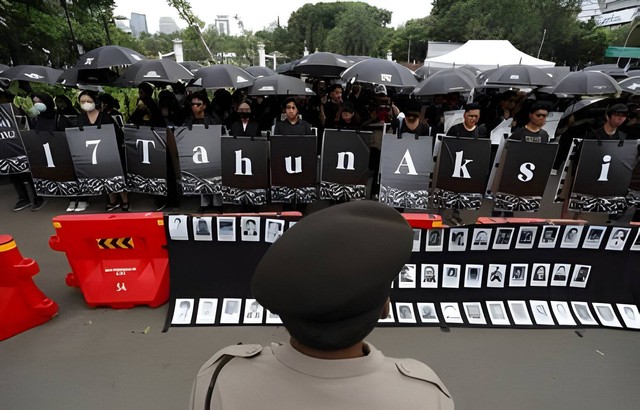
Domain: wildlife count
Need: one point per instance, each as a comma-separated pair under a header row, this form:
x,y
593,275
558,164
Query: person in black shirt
x,y
532,131
245,126
349,119
292,124
615,116
469,128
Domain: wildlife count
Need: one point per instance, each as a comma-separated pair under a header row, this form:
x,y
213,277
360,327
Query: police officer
x,y
328,278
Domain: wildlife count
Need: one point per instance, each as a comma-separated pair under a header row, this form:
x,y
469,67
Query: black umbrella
x,y
482,77
610,69
32,73
287,68
426,71
74,77
153,71
322,64
447,81
108,56
280,84
587,83
259,71
222,76
630,85
519,75
3,67
192,66
379,71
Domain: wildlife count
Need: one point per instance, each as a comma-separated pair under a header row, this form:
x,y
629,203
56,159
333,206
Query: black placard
x,y
245,163
13,159
146,151
199,155
527,167
345,157
605,168
463,165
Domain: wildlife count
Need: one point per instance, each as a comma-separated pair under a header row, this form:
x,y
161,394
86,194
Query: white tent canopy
x,y
486,54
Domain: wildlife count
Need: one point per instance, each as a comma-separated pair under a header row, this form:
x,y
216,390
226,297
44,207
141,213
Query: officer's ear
x,y
386,309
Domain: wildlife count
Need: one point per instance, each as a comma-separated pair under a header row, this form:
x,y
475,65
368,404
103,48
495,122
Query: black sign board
x,y
200,159
13,159
146,151
345,164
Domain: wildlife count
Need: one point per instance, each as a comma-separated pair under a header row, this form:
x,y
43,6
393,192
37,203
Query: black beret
x,y
329,275
620,108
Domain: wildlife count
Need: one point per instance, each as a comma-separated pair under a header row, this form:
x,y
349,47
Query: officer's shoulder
x,y
420,371
246,351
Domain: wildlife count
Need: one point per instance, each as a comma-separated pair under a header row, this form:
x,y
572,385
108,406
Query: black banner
x,y
294,168
245,170
96,159
13,159
345,164
146,151
406,166
51,164
200,159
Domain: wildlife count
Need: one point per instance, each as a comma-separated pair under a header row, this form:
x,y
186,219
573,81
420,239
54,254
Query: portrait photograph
x,y
583,313
593,238
503,238
427,313
540,274
473,276
178,227
481,238
250,229
562,313
451,312
560,275
474,313
549,236
202,228
182,312
230,311
429,276
389,319
417,236
404,312
519,312
253,312
407,276
571,236
226,228
434,240
274,230
541,313
207,308
526,237
272,318
636,242
458,239
497,313
496,275
580,276
617,239
606,315
518,275
629,314
450,276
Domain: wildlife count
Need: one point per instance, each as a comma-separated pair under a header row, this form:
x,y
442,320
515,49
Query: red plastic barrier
x,y
117,260
501,220
22,304
424,221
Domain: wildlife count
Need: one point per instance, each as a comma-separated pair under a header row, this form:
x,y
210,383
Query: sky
x,y
255,14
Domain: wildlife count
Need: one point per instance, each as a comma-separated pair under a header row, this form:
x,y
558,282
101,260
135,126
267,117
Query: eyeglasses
x,y
290,107
196,104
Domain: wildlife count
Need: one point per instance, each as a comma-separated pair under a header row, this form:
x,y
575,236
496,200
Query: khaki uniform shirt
x,y
280,377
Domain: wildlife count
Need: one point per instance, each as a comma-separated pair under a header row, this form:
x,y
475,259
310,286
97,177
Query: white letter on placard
x,y
604,170
527,172
240,161
460,169
145,149
94,156
200,155
47,154
346,158
407,161
287,165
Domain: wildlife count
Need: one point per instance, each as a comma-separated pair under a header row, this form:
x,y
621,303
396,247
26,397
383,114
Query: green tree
x,y
186,13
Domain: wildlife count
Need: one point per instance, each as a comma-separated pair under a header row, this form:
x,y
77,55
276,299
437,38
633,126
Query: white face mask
x,y
88,107
40,107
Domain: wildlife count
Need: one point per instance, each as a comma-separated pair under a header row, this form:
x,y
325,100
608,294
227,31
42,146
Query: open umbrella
x,y
192,66
577,106
108,56
610,69
322,64
32,73
446,81
426,71
519,75
287,68
630,85
222,76
74,77
279,84
587,83
153,71
259,71
3,67
379,71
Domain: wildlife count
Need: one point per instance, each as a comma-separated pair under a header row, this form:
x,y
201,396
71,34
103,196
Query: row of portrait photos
x,y
226,228
498,313
524,237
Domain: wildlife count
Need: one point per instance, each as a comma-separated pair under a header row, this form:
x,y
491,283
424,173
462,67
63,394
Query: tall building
x,y
607,13
167,25
138,24
222,25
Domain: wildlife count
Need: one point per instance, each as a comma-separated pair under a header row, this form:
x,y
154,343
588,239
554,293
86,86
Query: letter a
x,y
407,161
200,155
459,168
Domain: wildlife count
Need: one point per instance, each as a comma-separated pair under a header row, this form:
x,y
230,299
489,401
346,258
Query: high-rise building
x,y
222,25
609,12
138,24
168,25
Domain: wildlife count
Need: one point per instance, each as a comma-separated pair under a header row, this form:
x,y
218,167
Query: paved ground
x,y
103,359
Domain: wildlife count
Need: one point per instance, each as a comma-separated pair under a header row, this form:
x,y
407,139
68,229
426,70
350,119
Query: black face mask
x,y
245,115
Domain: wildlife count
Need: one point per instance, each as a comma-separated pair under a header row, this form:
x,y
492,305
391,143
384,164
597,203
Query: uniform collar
x,y
328,369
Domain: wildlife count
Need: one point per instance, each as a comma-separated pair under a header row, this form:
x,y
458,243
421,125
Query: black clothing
x,y
526,135
330,113
252,130
301,127
421,129
458,130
